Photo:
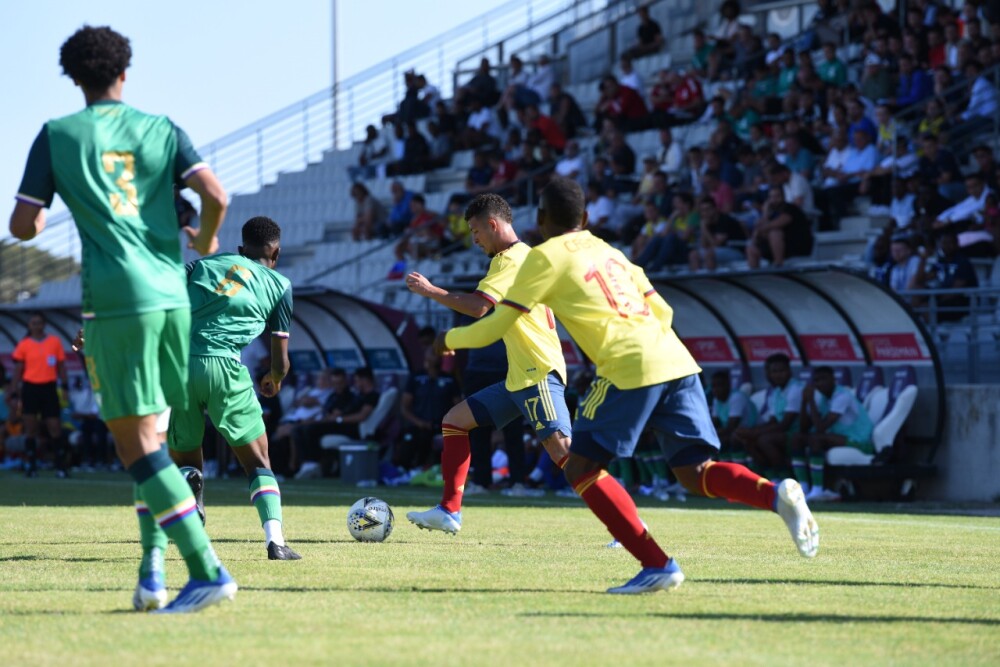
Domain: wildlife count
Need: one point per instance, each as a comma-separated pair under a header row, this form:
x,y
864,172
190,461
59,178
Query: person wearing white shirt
x,y
796,187
669,155
835,158
969,208
599,207
629,77
543,77
901,208
983,98
573,165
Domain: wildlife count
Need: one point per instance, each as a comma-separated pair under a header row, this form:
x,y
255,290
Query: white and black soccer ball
x,y
370,520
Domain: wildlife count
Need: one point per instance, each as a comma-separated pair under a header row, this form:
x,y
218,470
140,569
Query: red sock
x,y
455,460
737,483
615,508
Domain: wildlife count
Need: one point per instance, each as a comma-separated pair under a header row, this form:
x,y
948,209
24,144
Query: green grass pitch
x,y
521,585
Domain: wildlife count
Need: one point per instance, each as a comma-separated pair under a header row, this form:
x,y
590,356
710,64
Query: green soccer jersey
x,y
115,168
232,298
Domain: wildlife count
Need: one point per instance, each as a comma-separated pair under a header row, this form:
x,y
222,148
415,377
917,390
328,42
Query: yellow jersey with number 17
x,y
600,297
533,347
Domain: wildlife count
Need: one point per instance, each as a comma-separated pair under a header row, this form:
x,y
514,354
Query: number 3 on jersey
x,y
614,287
234,281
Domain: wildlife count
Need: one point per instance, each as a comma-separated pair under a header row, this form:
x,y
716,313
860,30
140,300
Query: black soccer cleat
x,y
281,552
196,481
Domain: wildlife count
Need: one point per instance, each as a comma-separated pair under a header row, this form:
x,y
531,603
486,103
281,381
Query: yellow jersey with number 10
x,y
533,347
600,297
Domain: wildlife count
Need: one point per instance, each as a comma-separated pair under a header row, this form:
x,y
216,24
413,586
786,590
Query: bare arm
x,y
271,385
15,382
472,305
27,221
213,210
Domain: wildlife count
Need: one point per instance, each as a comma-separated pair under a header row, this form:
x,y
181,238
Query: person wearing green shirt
x,y
115,167
832,71
234,298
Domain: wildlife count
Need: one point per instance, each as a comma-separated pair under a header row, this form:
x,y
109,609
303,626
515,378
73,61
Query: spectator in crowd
x,y
877,183
504,172
653,223
629,77
861,158
440,147
650,36
832,71
600,208
572,164
369,214
731,409
901,206
671,244
797,158
186,212
92,434
718,233
373,149
702,63
927,205
688,98
787,72
480,174
428,396
482,126
306,407
914,84
939,166
885,128
782,232
669,155
541,80
832,417
446,121
983,155
877,81
859,121
727,22
623,105
622,156
339,401
767,441
906,265
565,111
548,128
343,424
983,107
720,191
457,235
952,46
797,189
969,209
481,86
423,237
430,95
694,168
399,213
949,269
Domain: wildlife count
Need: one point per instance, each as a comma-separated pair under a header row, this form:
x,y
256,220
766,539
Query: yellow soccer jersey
x,y
533,347
600,297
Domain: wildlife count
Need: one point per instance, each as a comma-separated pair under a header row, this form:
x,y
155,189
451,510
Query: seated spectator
x,y
446,121
914,85
937,165
629,77
482,126
481,86
504,173
906,265
440,147
541,80
457,235
949,269
650,36
687,101
987,166
877,81
669,155
670,244
719,233
861,158
345,423
832,71
369,214
782,232
983,106
901,206
518,93
694,168
306,407
798,160
767,441
788,70
703,64
717,161
430,95
428,396
373,149
480,174
969,209
340,401
877,183
832,417
600,208
423,237
653,223
859,121
92,433
416,153
572,165
622,156
623,105
885,131
399,213
774,49
721,192
731,409
565,111
796,188
727,22
549,129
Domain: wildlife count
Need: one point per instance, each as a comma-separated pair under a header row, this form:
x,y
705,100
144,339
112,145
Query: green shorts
x,y
223,387
138,363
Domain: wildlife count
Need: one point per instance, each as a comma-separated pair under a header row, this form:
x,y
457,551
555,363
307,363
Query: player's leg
x,y
818,445
185,435
129,349
30,409
798,446
689,442
544,408
609,422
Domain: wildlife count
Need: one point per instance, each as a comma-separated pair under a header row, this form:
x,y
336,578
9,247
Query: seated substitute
x,y
731,409
767,443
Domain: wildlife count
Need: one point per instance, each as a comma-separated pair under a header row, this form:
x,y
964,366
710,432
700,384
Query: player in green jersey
x,y
115,167
232,298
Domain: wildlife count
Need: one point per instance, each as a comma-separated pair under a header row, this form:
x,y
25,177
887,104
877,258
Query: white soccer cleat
x,y
792,508
437,518
652,579
150,594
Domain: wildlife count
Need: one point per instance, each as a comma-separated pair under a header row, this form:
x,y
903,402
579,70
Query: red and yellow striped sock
x,y
615,508
737,483
455,458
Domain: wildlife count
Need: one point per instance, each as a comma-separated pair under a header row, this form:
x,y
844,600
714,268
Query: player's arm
x,y
474,305
279,324
213,210
27,221
359,416
36,191
660,308
15,382
485,332
406,410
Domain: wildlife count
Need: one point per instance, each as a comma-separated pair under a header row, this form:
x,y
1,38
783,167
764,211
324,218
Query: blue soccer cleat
x,y
150,593
197,595
437,518
652,579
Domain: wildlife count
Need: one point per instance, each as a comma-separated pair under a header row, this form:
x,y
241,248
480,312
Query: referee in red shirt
x,y
39,360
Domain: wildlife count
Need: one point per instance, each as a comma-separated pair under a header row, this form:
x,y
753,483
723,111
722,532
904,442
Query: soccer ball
x,y
370,520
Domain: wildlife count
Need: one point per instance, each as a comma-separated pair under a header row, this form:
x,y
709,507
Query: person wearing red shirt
x,y
621,104
689,101
39,360
549,129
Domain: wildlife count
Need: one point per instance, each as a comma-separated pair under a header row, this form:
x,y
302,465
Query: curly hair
x,y
95,57
563,201
260,232
491,205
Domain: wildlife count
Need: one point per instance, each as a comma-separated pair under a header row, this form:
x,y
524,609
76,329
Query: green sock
x,y
659,464
265,495
151,537
816,470
170,502
800,469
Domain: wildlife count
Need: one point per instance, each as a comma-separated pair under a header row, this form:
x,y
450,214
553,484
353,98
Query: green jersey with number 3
x,y
115,167
232,299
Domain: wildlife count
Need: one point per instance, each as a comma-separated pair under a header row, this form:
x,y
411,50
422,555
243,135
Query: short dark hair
x,y
564,203
364,372
777,358
491,205
823,370
720,375
95,57
261,231
337,371
418,198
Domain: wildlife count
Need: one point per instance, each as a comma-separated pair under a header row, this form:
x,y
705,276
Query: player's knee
x,y
579,466
557,445
690,477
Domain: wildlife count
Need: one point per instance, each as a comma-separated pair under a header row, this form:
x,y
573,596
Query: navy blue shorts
x,y
542,405
610,420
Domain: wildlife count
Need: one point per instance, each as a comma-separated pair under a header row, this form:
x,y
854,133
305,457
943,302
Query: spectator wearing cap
x,y
876,82
650,36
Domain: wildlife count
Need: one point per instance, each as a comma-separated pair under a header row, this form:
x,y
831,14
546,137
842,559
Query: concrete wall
x,y
969,458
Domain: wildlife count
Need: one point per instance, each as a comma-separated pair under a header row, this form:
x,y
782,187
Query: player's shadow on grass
x,y
31,557
801,617
841,582
407,590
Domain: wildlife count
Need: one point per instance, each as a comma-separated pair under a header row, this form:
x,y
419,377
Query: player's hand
x,y
418,284
203,245
269,387
440,348
78,341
